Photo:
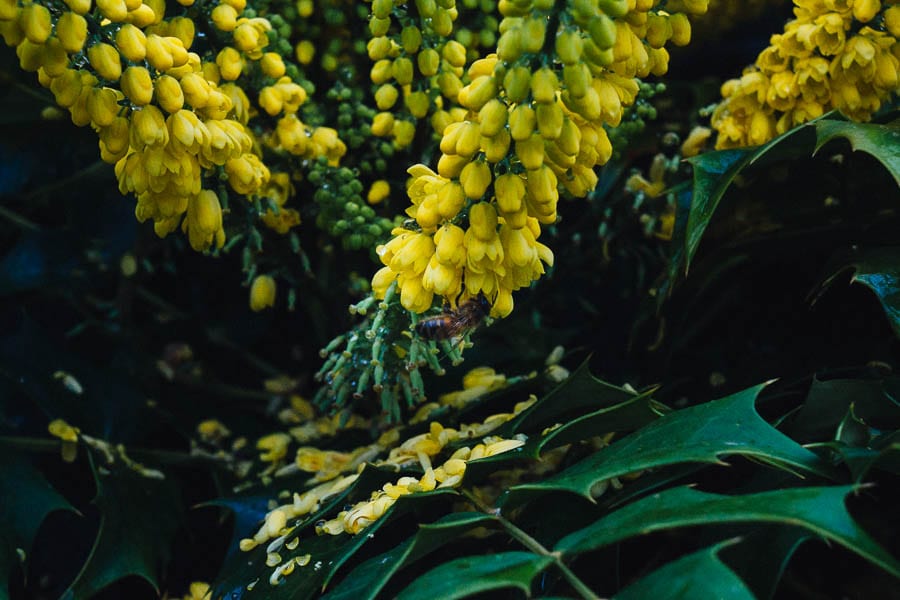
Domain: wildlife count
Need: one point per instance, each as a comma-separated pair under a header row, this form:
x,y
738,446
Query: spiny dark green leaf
x,y
881,141
139,515
579,393
828,401
700,434
879,270
714,172
369,578
697,576
761,556
818,509
861,460
476,574
851,431
625,416
26,498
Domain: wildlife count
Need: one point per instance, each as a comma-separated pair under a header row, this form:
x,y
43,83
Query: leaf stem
x,y
535,546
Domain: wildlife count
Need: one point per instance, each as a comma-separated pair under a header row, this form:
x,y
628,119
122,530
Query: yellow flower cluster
x,y
397,57
841,54
166,116
520,134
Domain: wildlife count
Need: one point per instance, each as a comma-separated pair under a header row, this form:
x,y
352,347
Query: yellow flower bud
x,y
517,83
476,94
450,85
137,85
9,10
403,132
143,16
30,55
411,39
224,17
417,103
681,29
509,46
533,31
469,140
132,42
402,70
531,151
159,54
55,60
865,10
381,71
382,124
35,22
379,27
184,30
81,7
169,94
522,121
204,223
104,58
577,79
497,147
246,37
510,191
71,29
115,135
379,191
493,117
659,30
451,199
114,10
378,47
381,9
568,46
66,88
148,126
442,22
541,185
454,53
483,220
475,179
386,96
102,106
892,20
544,85
602,30
272,65
451,166
230,63
305,52
262,293
550,120
196,90
429,61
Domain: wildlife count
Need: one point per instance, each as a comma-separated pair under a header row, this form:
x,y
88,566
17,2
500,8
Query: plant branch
x,y
535,546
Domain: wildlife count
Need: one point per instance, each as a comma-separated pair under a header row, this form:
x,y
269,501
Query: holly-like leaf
x,y
879,270
369,578
881,141
697,576
581,392
476,574
139,515
714,172
26,498
700,434
828,401
821,510
761,557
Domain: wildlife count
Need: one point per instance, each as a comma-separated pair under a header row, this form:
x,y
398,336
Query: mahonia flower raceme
x,y
518,134
165,116
834,54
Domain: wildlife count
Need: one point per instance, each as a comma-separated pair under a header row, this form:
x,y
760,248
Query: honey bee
x,y
455,323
